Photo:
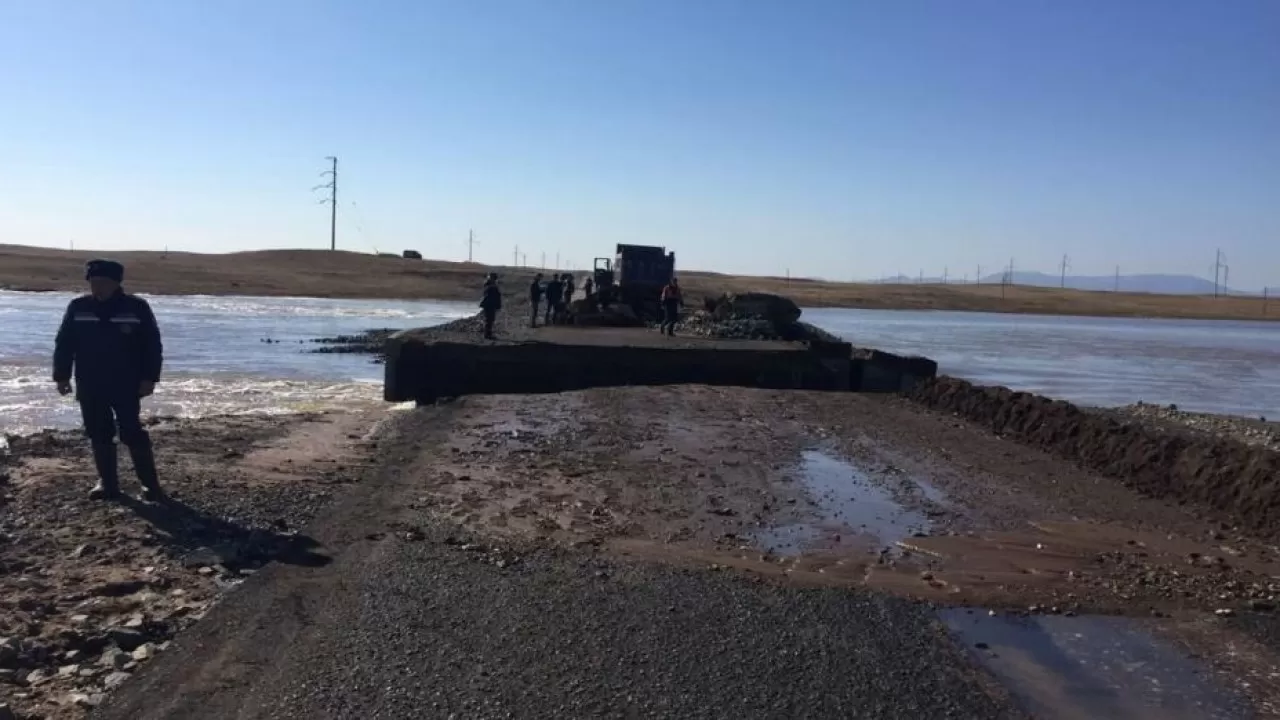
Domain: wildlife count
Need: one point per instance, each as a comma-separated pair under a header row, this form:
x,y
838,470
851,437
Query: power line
x,y
332,200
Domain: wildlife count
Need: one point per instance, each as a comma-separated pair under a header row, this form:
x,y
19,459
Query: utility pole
x,y
920,278
524,259
1066,261
332,200
1264,301
944,274
515,257
471,244
978,278
1008,280
543,266
1226,280
1117,279
1217,268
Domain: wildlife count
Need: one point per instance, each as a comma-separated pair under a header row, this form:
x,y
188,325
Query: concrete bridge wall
x,y
424,370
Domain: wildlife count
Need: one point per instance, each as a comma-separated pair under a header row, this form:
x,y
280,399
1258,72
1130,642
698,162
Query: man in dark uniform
x,y
112,341
555,295
535,297
490,303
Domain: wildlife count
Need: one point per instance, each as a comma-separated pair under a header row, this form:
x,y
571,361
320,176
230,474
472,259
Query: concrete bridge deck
x,y
426,365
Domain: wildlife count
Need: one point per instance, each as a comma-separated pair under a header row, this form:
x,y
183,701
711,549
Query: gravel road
x,y
412,620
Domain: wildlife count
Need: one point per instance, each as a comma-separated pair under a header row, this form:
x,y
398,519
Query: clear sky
x,y
836,138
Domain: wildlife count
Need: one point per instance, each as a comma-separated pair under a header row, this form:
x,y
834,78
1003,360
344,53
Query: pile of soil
x,y
732,327
1224,474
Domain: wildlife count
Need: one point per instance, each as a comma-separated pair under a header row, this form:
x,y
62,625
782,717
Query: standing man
x,y
568,289
490,303
112,342
672,300
535,297
555,294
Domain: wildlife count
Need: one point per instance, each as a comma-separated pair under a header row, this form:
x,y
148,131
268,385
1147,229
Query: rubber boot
x,y
104,459
144,464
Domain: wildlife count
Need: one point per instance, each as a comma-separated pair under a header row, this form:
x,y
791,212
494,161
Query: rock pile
x,y
1246,430
745,316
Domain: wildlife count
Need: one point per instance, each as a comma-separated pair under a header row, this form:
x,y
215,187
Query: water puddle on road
x,y
851,508
1085,668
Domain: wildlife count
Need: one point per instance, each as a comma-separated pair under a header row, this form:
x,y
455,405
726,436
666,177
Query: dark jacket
x,y
535,291
555,291
492,298
113,345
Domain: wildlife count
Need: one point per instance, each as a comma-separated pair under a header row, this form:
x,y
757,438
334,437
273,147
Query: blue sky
x,y
835,138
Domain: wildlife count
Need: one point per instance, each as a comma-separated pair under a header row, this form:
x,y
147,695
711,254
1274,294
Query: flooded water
x,y
1084,668
215,358
1208,366
851,509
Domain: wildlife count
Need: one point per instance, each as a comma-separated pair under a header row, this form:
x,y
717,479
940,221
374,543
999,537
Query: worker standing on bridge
x,y
555,294
672,301
111,341
490,303
535,298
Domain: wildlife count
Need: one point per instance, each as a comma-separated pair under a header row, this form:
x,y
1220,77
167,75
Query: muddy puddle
x,y
1091,667
850,509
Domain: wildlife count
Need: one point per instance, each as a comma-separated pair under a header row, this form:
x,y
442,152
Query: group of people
x,y
557,292
550,299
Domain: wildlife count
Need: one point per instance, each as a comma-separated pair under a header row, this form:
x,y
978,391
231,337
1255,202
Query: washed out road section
x,y
418,617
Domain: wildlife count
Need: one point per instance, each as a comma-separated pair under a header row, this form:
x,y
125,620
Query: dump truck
x,y
635,277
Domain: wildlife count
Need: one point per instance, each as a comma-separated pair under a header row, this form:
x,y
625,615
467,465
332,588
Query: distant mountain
x,y
1147,283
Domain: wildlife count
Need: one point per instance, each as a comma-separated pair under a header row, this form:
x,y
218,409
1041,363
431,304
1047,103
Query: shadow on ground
x,y
200,539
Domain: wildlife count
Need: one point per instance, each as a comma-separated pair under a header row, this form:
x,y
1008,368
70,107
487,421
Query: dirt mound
x,y
1239,480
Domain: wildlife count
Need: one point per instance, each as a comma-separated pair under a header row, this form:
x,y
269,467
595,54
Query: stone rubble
x,y
1250,431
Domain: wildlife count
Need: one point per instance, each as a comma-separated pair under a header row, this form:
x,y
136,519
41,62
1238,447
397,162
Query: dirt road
x,y
726,552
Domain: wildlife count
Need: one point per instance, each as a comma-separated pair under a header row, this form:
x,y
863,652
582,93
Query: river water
x,y
216,361
1201,365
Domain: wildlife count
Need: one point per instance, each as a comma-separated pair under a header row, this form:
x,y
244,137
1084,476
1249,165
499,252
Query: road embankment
x,y
1237,480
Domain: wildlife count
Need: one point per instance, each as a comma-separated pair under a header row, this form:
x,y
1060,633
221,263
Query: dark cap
x,y
104,268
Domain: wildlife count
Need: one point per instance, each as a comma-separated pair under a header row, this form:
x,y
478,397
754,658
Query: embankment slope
x,y
1240,482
